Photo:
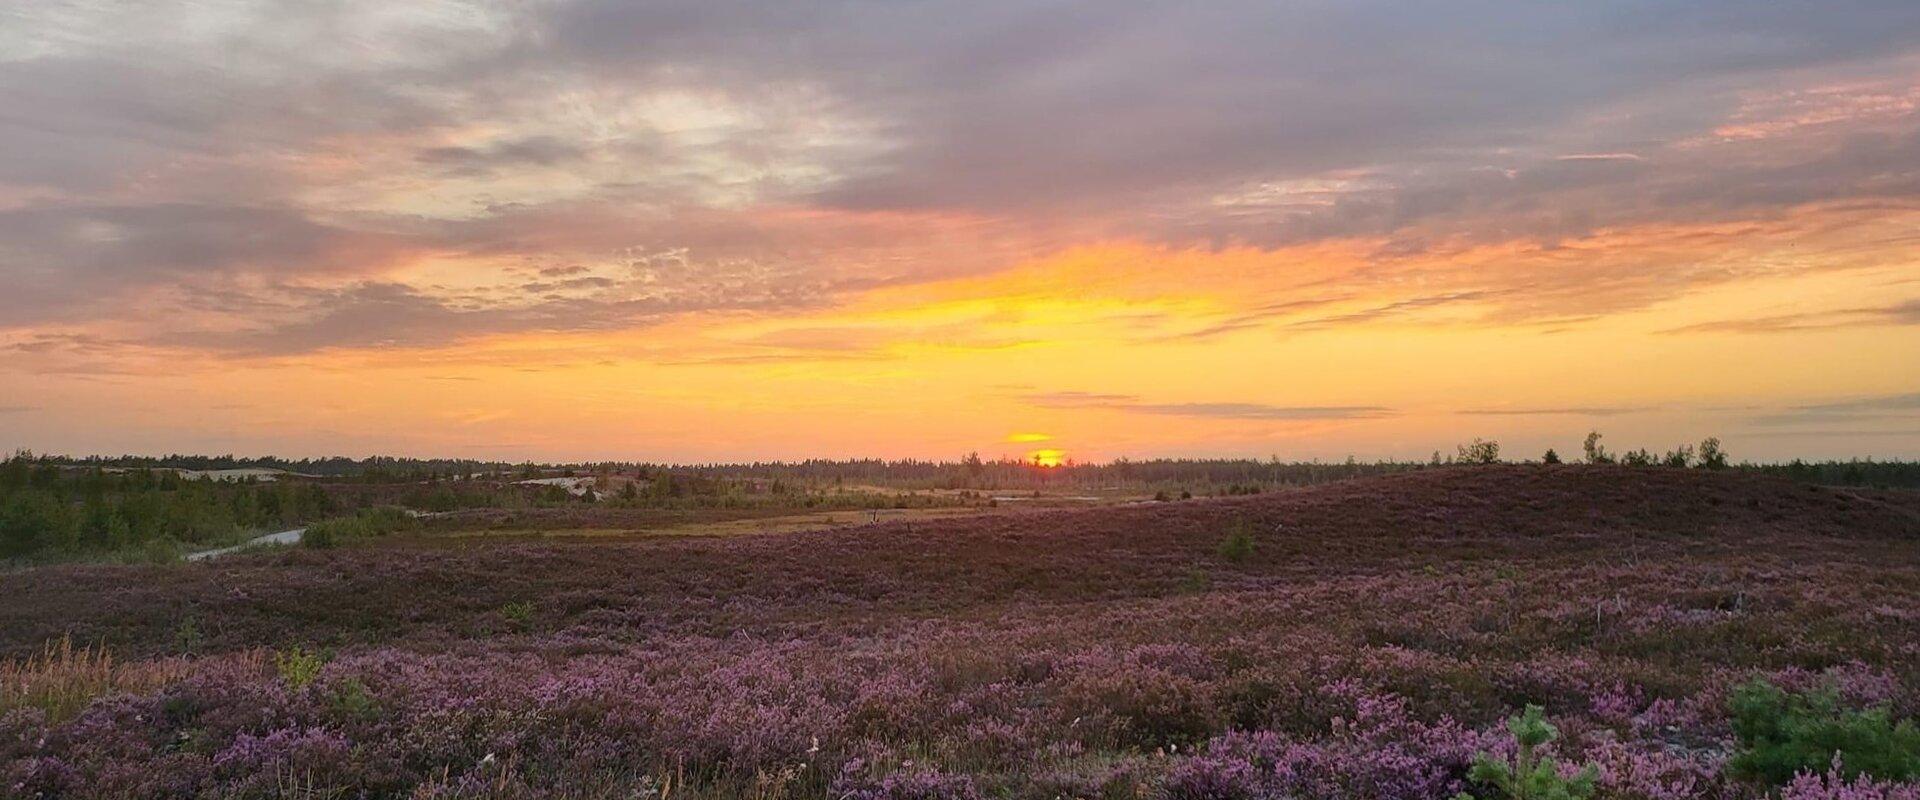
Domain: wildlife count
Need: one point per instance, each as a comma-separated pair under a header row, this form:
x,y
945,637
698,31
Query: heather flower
x,y
1832,785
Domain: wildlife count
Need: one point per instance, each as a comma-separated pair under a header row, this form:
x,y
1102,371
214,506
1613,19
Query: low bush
x,y
1238,546
369,523
328,533
298,667
1784,734
518,614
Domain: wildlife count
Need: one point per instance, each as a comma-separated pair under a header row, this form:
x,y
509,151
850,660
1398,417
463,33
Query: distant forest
x,y
140,507
974,472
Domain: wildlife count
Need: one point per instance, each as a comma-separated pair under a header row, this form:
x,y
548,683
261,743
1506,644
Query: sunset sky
x,y
714,230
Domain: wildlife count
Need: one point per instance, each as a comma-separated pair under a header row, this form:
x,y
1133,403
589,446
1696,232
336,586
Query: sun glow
x,y
1047,457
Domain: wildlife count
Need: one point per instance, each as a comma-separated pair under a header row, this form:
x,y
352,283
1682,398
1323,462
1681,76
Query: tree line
x,y
48,508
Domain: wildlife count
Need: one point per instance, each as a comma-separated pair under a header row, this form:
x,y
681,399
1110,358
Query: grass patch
x,y
62,679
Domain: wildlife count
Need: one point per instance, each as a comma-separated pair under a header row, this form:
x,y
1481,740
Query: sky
x,y
728,230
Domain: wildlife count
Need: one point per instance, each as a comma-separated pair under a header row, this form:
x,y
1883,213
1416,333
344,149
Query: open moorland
x,y
1363,638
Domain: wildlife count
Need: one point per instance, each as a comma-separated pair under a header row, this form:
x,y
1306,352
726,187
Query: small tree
x,y
975,467
1238,546
1711,456
1530,776
298,667
1480,452
1596,454
1551,457
1681,457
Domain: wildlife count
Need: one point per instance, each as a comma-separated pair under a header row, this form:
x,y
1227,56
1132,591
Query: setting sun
x,y
1047,457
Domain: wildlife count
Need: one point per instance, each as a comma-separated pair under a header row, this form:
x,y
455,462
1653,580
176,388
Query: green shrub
x,y
1238,546
298,667
351,700
186,636
519,615
1782,734
369,522
1530,776
382,520
327,533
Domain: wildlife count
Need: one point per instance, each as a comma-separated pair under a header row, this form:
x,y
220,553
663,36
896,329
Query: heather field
x,y
1361,639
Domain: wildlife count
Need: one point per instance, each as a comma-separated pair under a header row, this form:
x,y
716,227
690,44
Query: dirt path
x,y
283,537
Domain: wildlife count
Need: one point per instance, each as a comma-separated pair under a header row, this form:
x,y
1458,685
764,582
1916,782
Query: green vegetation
x,y
1238,546
519,614
49,509
1782,734
350,699
1711,456
298,667
1480,451
62,679
1530,776
1596,453
367,524
135,509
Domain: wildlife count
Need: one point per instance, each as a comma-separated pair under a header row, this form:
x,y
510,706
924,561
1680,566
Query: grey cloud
x,y
1257,318
1394,309
1070,399
384,315
1894,402
1228,411
60,255
1856,411
1830,433
1582,411
1086,105
173,144
542,151
1260,411
1907,313
570,284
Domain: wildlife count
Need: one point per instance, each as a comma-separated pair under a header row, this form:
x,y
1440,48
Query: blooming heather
x,y
1369,646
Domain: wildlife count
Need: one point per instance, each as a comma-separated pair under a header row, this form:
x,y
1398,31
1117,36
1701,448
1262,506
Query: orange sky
x,y
540,245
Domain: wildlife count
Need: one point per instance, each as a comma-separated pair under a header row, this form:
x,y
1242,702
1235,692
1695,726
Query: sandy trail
x,y
283,537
